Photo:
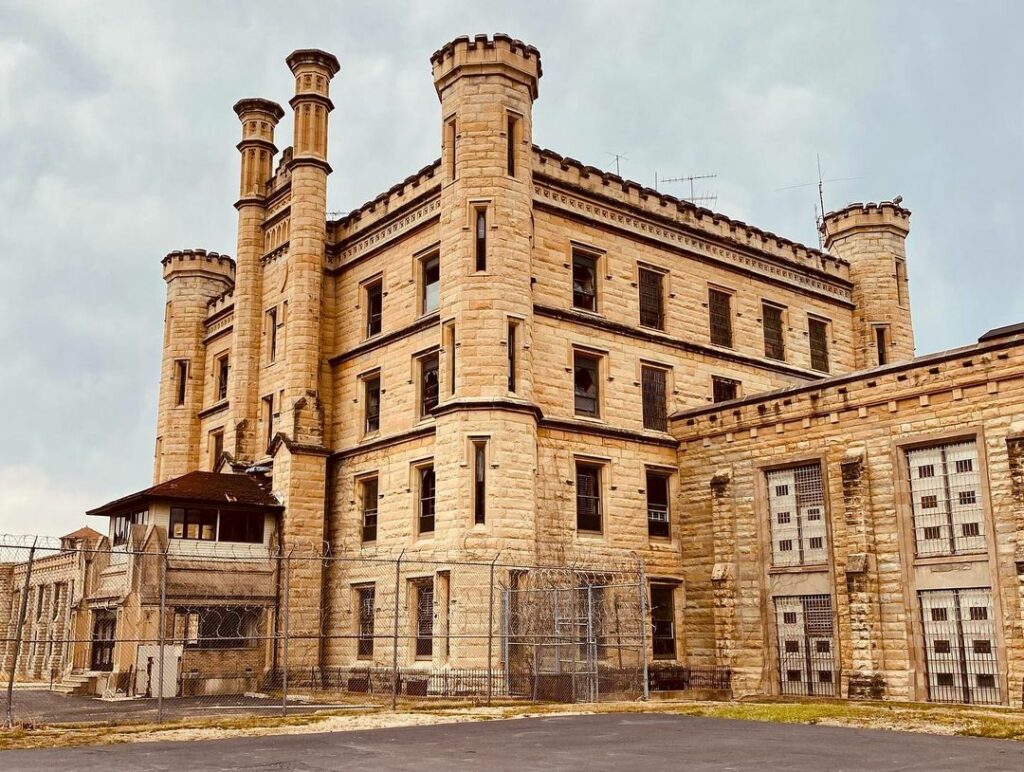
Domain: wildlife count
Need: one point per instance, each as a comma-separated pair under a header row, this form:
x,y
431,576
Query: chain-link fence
x,y
181,628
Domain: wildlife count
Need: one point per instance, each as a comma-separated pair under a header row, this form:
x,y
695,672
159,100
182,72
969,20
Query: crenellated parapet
x,y
199,262
480,54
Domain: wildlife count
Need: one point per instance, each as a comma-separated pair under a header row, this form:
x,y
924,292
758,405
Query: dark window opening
x,y
512,356
429,386
451,139
774,342
510,145
479,482
374,308
663,635
480,229
181,375
272,334
241,527
369,505
223,368
216,448
450,338
584,281
217,627
268,417
426,499
657,504
655,414
881,344
588,497
817,332
104,626
720,316
651,299
585,384
371,393
724,389
121,526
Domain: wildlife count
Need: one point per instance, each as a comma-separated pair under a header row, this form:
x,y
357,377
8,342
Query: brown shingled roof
x,y
85,532
201,487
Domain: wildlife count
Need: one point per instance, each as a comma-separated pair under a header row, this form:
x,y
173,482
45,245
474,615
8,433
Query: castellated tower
x,y
872,238
486,417
259,117
194,277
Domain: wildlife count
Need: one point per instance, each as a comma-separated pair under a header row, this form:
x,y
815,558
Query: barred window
x,y
796,502
945,486
369,490
657,504
651,298
817,333
424,599
960,657
588,497
774,341
217,627
805,638
720,316
365,600
374,307
724,389
584,281
655,414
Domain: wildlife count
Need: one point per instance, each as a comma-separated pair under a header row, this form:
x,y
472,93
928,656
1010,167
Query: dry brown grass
x,y
912,717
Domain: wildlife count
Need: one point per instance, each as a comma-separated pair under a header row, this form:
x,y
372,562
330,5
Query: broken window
x,y
374,307
429,386
586,368
223,368
584,281
371,404
657,503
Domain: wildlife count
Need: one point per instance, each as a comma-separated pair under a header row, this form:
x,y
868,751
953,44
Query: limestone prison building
x,y
512,351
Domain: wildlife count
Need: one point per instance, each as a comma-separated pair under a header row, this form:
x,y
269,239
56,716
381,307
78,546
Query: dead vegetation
x,y
909,717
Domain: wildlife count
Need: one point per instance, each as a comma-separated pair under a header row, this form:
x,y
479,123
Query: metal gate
x,y
806,645
960,650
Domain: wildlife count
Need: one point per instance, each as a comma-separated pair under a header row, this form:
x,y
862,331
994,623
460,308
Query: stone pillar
x,y
723,578
194,277
860,641
258,117
872,238
1013,579
486,87
313,70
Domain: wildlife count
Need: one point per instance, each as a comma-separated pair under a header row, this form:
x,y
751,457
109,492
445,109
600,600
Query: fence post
x,y
490,632
160,636
643,630
394,634
22,610
284,631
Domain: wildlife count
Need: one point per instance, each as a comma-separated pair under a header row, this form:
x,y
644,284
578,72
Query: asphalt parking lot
x,y
602,742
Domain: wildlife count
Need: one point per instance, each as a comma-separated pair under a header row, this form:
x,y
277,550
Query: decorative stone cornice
x,y
391,229
741,257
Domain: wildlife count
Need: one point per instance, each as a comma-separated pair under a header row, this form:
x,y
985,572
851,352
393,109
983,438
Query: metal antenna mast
x,y
618,157
693,198
819,207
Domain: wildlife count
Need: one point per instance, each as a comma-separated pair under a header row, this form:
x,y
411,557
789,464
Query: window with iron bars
x,y
657,504
365,601
796,505
588,497
217,627
774,341
652,298
817,334
806,643
369,489
424,599
961,659
945,496
720,317
655,414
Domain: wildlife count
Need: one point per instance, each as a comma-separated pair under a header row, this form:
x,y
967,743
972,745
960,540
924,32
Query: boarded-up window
x,y
651,299
774,342
720,316
653,386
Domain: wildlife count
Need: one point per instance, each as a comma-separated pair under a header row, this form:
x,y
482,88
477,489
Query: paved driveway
x,y
605,742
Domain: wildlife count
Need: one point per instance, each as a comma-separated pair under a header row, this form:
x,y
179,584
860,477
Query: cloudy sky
x,y
118,138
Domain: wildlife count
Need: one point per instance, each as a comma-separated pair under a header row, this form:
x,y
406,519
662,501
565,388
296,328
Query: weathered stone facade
x,y
430,350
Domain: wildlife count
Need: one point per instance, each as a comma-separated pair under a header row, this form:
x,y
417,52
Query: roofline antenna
x,y
618,157
710,199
